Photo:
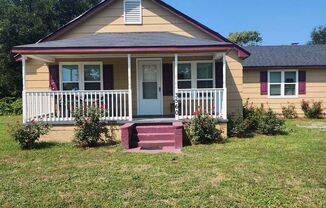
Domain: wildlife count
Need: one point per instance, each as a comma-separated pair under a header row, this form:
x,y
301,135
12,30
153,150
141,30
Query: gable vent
x,y
132,12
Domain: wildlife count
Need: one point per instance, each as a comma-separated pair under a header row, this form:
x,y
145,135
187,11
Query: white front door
x,y
149,87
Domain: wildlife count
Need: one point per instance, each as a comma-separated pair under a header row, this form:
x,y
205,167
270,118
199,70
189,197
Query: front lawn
x,y
280,171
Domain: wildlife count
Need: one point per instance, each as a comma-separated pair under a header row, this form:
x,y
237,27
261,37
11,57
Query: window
x,y
132,12
81,76
283,83
92,77
70,77
196,74
205,75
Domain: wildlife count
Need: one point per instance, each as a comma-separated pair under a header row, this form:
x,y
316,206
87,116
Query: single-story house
x,y
150,67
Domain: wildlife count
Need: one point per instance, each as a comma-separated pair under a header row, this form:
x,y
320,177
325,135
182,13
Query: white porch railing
x,y
211,101
59,106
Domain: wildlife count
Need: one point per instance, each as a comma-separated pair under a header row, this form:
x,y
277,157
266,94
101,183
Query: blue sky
x,y
279,21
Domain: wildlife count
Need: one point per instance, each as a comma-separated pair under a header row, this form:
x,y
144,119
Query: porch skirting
x,y
65,133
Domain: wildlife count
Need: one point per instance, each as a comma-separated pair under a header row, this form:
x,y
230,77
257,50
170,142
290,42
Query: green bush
x,y
239,127
314,111
90,130
202,129
255,120
29,133
10,106
289,112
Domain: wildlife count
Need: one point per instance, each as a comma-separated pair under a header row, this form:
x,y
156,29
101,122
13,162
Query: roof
x,y
285,56
103,4
128,40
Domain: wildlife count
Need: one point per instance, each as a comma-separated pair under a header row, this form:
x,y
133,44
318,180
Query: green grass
x,y
281,171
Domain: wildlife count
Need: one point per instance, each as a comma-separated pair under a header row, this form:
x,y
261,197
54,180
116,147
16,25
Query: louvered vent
x,y
133,14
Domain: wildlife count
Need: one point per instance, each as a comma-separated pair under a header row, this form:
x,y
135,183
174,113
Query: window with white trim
x,y
196,74
283,83
81,76
133,12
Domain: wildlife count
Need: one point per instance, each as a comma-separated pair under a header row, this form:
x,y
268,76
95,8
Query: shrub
x,y
239,127
269,123
289,112
314,111
29,133
202,129
89,129
255,120
10,106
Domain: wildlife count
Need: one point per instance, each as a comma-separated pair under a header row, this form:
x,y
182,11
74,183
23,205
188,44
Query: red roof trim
x,y
124,50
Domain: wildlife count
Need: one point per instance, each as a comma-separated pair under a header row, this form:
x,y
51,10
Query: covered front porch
x,y
141,86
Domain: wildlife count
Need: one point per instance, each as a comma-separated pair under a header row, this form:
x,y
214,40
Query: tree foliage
x,y
246,38
318,35
25,22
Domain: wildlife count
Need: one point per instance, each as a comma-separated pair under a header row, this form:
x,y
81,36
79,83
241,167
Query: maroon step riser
x,y
155,138
155,130
162,144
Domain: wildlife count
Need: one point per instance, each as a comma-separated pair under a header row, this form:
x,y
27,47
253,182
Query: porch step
x,y
155,129
156,143
155,136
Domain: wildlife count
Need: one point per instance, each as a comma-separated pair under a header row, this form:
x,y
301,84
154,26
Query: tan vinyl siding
x,y
37,76
155,19
234,80
315,90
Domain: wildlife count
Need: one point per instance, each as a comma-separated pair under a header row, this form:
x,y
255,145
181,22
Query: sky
x,y
281,22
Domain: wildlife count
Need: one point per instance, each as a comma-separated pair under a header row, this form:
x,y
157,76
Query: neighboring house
x,y
146,62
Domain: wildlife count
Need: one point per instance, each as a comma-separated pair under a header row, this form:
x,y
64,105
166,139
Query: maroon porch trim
x,y
125,50
54,77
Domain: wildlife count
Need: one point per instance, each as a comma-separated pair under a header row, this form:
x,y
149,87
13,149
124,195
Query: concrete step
x,y
155,129
156,143
155,136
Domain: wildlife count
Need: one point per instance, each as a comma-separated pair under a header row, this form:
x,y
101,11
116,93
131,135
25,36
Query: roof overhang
x,y
122,49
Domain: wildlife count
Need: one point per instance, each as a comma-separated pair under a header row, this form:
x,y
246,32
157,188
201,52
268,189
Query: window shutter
x,y
302,82
167,80
108,77
132,12
219,74
54,82
263,83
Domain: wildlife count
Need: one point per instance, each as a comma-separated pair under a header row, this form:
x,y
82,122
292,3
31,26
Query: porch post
x,y
24,89
129,88
176,101
224,88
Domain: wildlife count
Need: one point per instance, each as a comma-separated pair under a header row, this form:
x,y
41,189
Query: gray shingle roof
x,y
286,56
133,39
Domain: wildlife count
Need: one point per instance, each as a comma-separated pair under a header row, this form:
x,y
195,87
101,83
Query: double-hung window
x,y
283,83
196,75
81,76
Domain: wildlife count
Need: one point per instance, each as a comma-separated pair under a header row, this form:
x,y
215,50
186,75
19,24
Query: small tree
x,y
246,38
318,35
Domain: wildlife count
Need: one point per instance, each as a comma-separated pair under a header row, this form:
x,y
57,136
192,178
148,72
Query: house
x,y
150,67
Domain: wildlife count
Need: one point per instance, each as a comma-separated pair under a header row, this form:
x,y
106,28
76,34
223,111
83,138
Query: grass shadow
x,y
44,145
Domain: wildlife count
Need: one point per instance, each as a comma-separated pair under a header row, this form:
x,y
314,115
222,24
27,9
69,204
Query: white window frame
x,y
283,71
81,70
194,73
141,13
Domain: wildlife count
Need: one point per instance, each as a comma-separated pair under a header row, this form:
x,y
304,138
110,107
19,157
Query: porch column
x,y
176,101
225,104
24,89
129,88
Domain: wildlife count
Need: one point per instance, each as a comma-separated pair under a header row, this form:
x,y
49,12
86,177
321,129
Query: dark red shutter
x,y
219,74
302,82
263,83
54,82
108,77
167,80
